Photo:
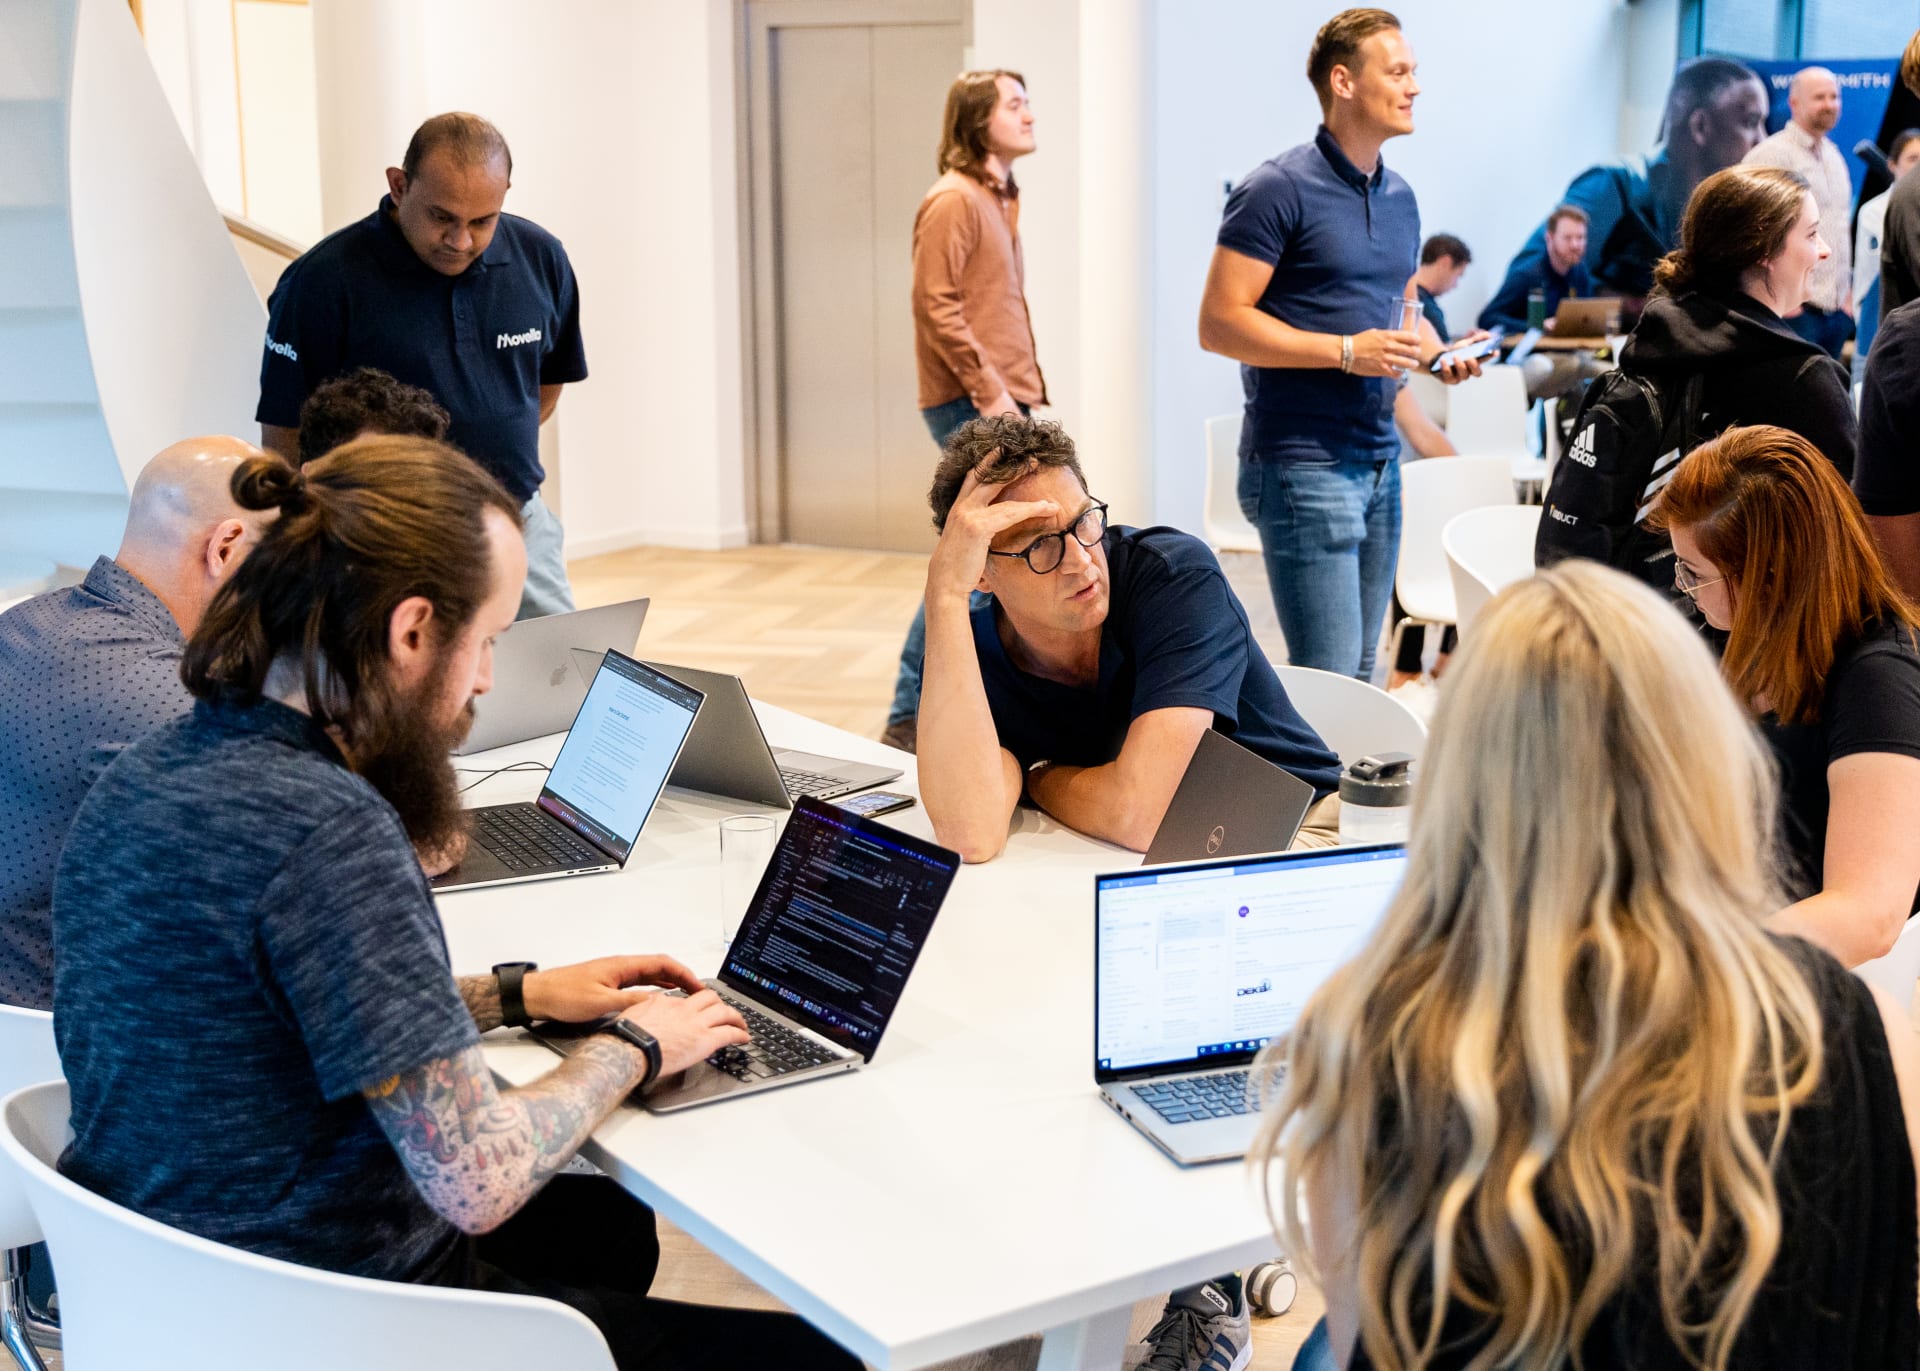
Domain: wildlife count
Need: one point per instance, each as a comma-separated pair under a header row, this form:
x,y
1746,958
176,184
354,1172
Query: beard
x,y
405,757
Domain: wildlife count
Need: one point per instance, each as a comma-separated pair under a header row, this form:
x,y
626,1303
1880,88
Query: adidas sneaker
x,y
1204,1328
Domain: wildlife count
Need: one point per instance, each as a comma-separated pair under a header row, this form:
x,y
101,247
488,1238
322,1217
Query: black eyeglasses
x,y
1046,552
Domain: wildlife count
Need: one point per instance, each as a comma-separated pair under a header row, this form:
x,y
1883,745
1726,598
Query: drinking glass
x,y
1405,318
746,846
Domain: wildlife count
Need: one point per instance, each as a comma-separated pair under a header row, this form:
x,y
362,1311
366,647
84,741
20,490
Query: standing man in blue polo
x,y
1315,255
440,289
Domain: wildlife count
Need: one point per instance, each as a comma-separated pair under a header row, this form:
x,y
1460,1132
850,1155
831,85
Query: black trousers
x,y
586,1242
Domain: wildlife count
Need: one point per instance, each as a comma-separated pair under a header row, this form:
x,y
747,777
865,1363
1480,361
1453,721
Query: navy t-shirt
x,y
482,342
242,943
1175,636
1342,245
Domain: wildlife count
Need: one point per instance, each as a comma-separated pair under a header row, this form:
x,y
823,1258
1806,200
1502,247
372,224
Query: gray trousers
x,y
547,591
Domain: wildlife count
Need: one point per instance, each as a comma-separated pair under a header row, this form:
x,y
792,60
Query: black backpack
x,y
1628,437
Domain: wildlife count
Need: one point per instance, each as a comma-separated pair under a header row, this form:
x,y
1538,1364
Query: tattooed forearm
x,y
476,1154
482,997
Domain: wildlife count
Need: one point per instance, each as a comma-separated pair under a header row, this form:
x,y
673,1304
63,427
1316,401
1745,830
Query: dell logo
x,y
559,676
1215,838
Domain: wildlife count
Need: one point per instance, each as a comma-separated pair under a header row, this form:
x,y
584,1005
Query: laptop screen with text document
x,y
617,754
1199,966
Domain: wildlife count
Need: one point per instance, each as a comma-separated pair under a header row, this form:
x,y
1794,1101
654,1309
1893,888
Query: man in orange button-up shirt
x,y
973,339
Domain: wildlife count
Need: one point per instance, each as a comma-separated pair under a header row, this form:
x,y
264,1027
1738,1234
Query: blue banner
x,y
1865,87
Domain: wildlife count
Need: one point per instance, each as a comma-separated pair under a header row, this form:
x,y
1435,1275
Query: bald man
x,y
88,670
1813,101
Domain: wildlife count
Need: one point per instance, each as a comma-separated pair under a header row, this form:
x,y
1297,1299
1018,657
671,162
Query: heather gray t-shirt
x,y
243,942
84,671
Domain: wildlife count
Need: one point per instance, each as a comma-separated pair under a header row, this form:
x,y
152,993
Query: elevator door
x,y
854,118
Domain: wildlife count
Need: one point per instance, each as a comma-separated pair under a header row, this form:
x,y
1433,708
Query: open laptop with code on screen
x,y
1197,967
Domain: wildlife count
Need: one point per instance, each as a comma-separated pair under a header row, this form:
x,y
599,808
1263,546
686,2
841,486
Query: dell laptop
x,y
1197,967
1230,803
611,768
728,754
541,670
821,957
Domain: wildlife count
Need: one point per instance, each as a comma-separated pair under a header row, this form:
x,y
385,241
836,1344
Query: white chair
x,y
1896,972
1352,717
1488,414
1226,527
1487,550
27,1055
1431,493
134,1292
1430,393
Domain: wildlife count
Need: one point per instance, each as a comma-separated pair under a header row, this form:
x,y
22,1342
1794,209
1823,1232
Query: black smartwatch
x,y
645,1041
513,1002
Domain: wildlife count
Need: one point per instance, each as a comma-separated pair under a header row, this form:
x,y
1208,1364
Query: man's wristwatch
x,y
513,1004
645,1041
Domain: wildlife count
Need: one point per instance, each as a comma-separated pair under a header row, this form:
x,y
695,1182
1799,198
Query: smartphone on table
x,y
873,803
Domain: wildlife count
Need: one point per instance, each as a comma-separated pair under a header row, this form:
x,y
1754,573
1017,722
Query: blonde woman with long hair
x,y
1573,1104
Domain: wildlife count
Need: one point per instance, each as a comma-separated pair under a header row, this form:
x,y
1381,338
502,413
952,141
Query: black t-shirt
x,y
242,943
1871,704
1887,475
482,343
1176,635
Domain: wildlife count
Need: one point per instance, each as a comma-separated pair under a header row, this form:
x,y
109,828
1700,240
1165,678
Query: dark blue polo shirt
x,y
1342,246
482,342
243,943
1176,636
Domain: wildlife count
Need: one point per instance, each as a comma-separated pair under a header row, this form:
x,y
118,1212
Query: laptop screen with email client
x,y
617,755
1198,966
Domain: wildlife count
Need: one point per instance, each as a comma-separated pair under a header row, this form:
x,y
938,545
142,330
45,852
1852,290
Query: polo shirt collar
x,y
268,719
397,254
110,581
1343,166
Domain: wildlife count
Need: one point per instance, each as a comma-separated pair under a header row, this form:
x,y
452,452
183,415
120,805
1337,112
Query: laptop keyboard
x,y
775,1050
810,782
525,839
1194,1098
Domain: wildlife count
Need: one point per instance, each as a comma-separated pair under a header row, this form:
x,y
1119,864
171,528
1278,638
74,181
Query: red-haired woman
x,y
1821,645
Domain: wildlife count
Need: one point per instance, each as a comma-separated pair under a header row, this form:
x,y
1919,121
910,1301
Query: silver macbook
x,y
610,771
728,754
1196,967
1230,802
541,669
823,952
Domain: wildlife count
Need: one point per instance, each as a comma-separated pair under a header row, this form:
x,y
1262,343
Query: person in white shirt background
x,y
1813,100
1902,154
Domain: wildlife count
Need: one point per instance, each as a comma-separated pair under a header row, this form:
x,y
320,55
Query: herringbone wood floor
x,y
818,631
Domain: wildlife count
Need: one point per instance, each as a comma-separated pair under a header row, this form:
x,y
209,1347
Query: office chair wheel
x,y
1271,1288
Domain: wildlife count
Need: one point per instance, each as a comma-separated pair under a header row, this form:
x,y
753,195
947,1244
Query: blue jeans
x,y
546,590
1330,534
942,422
1316,1353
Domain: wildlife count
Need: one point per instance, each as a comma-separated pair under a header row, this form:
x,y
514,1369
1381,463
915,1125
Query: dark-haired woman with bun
x,y
1748,242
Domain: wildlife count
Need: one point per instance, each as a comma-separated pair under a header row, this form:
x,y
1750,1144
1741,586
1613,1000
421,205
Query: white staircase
x,y
126,319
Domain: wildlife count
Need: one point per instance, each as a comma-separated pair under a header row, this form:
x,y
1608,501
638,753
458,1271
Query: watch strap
x,y
645,1041
512,977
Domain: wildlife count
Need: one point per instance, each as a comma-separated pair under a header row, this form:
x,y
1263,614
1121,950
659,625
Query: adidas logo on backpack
x,y
1582,449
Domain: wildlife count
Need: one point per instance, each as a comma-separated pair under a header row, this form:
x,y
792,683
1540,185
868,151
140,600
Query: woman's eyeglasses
x,y
1687,582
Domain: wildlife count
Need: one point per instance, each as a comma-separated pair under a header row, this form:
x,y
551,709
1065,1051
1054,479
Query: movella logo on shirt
x,y
283,349
514,340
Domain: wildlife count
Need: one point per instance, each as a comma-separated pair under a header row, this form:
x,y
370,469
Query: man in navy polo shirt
x,y
440,289
1314,259
1097,658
